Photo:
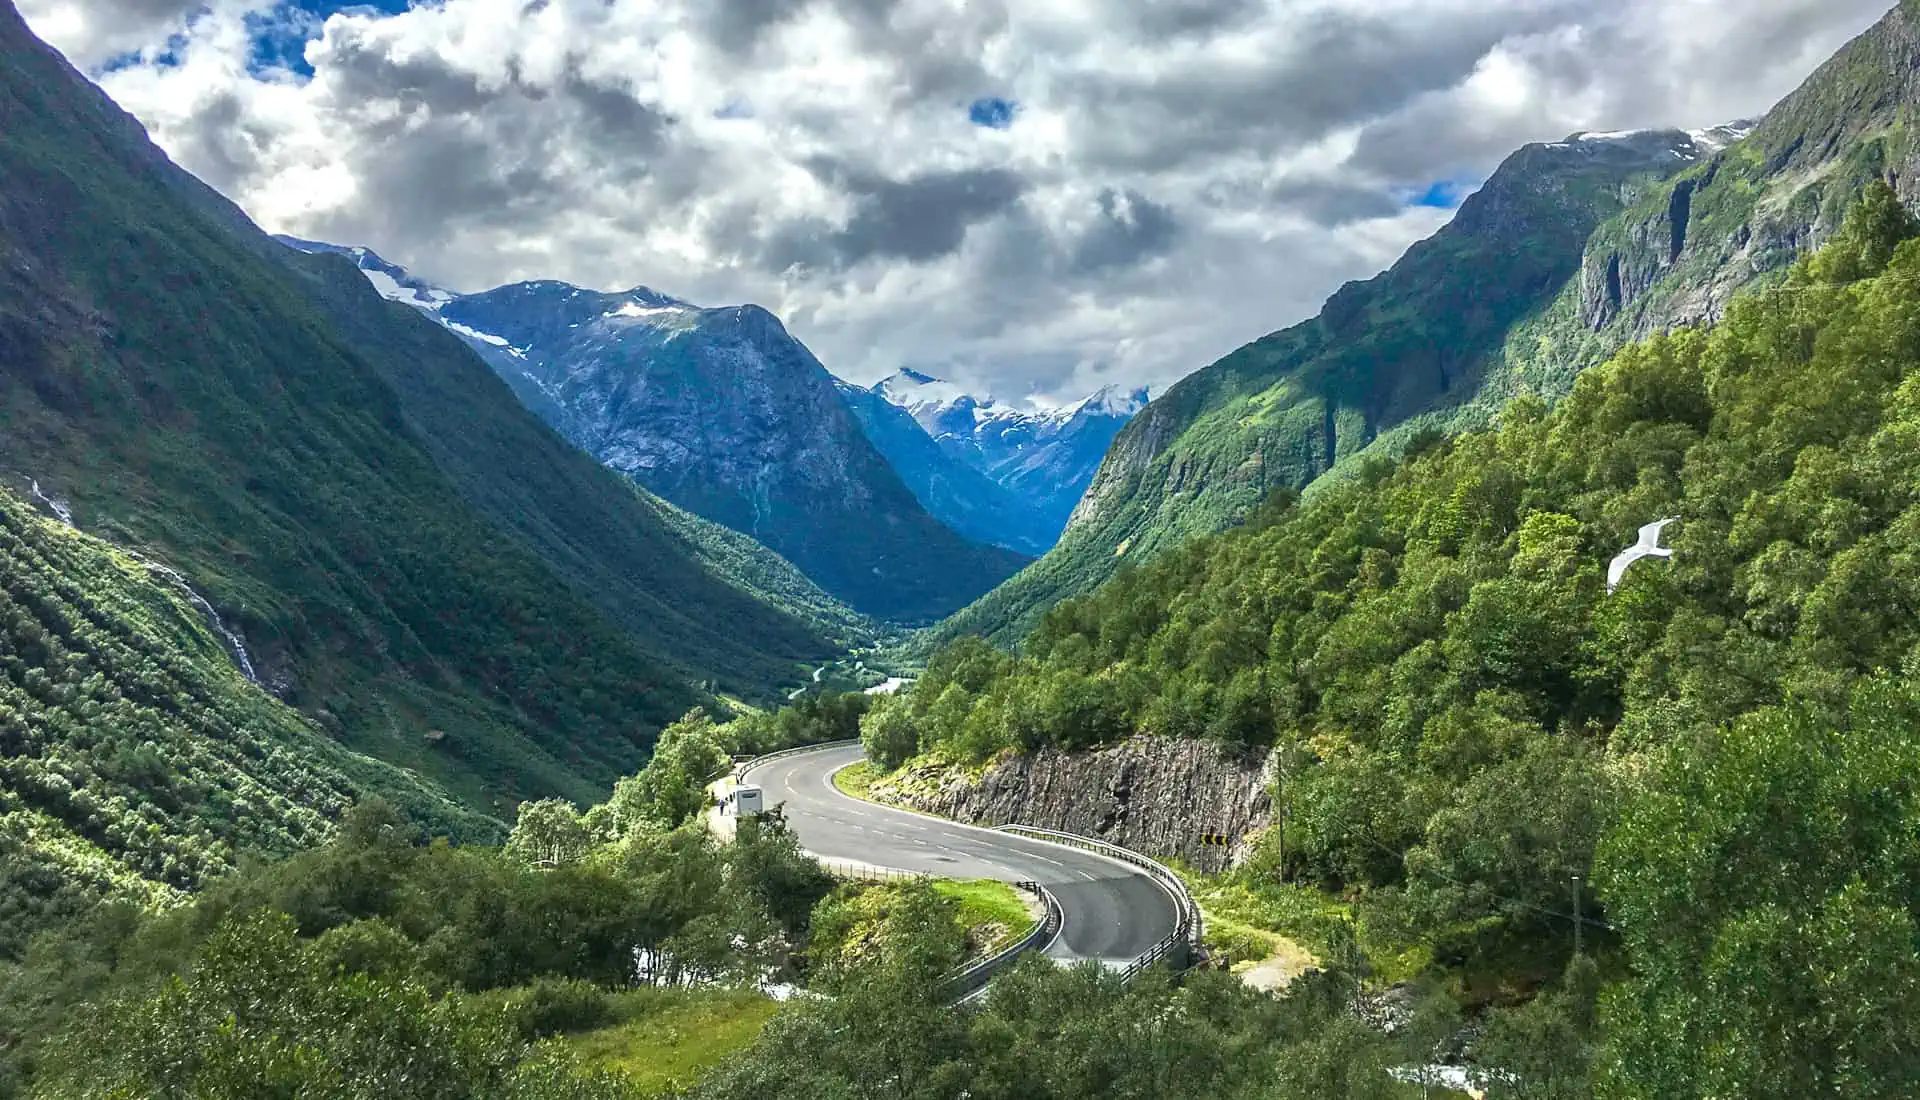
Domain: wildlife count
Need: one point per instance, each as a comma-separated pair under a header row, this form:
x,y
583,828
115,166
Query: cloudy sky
x,y
1034,198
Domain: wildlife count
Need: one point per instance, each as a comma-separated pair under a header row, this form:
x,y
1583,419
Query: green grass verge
x,y
1254,923
669,1039
856,781
993,913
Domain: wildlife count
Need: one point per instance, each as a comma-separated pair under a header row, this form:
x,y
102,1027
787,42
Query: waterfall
x,y
58,507
236,646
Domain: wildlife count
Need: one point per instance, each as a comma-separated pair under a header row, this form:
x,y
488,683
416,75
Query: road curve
x,y
1113,911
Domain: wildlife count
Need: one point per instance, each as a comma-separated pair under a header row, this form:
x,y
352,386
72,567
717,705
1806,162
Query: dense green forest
x,y
1465,719
1722,750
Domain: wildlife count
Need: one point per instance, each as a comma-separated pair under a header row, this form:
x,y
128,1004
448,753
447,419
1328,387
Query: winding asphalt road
x,y
1113,911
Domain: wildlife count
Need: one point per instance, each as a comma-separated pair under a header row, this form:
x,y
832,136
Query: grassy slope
x,y
272,432
993,913
672,1038
135,760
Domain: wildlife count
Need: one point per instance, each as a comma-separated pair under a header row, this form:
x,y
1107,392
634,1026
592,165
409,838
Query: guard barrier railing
x,y
742,766
1182,945
972,981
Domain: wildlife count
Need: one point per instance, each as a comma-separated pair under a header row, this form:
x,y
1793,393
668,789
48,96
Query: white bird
x,y
1648,547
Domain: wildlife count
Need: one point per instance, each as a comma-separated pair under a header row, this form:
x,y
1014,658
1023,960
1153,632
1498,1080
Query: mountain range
x,y
1009,476
1569,250
311,529
724,412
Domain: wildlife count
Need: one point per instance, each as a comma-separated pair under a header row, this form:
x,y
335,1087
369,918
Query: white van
x,y
742,801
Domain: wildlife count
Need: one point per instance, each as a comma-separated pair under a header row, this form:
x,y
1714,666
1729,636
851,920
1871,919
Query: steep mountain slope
x,y
361,499
136,759
670,406
958,494
1052,459
632,553
1045,459
1570,250
1466,716
724,413
1282,410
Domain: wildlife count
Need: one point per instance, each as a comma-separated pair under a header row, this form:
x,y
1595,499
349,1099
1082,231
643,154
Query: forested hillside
x,y
412,559
136,761
1721,751
1287,408
1569,251
1466,719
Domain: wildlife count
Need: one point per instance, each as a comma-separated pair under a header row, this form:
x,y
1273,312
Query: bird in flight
x,y
1648,547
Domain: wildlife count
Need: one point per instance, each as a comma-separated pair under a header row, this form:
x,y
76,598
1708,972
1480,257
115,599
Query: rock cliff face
x,y
1153,794
726,414
1771,191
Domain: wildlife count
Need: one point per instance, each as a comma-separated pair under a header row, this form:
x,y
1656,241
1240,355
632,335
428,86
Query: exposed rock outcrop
x,y
1156,795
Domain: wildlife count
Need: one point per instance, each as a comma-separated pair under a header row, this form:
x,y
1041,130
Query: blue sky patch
x,y
280,41
992,112
280,34
166,57
1442,194
734,109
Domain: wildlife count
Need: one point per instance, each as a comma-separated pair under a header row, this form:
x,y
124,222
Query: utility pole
x,y
1576,916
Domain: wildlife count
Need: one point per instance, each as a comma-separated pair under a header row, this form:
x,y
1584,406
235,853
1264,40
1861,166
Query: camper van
x,y
743,801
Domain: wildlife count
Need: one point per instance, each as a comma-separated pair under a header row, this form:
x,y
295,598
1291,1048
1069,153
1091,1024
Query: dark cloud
x,y
217,149
1341,68
1333,203
917,219
457,156
1165,19
735,26
1131,228
115,27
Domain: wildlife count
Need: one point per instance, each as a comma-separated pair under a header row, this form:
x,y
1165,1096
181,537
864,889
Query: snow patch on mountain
x,y
1112,401
392,281
635,309
1043,457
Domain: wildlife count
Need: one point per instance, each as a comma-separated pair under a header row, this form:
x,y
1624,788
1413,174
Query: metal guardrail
x,y
972,981
1182,945
856,871
742,767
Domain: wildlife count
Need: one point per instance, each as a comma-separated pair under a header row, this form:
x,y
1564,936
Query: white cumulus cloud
x,y
1176,178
